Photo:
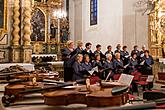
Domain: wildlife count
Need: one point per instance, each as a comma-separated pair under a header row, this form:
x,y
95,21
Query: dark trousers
x,y
68,74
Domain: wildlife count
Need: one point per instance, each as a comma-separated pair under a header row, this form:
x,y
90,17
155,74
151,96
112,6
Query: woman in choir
x,y
125,55
79,48
147,66
118,64
86,64
133,63
68,61
97,62
109,51
98,51
148,62
133,70
135,50
118,49
142,51
109,66
78,69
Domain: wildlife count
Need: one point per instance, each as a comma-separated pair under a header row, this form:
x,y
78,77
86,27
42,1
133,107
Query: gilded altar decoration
x,y
16,30
157,28
49,33
27,25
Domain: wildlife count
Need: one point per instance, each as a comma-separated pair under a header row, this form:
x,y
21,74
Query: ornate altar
x,y
157,28
45,27
157,36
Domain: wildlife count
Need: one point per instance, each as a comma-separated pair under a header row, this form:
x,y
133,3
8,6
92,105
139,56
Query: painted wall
x,y
135,25
109,28
119,21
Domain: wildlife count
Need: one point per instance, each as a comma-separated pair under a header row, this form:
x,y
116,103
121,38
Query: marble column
x,y
15,48
27,48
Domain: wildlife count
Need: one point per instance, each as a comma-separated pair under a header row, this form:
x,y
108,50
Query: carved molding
x,y
16,23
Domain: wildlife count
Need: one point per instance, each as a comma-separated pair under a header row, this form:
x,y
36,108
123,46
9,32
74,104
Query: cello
x,y
96,95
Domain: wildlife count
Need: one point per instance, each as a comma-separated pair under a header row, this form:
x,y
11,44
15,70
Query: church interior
x,y
82,54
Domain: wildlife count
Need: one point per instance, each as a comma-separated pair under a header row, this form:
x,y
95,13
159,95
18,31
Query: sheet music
x,y
93,70
142,63
150,78
108,75
142,55
126,56
126,65
125,79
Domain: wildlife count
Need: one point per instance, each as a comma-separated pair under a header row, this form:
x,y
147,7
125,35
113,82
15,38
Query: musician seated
x,y
133,63
118,64
78,69
109,66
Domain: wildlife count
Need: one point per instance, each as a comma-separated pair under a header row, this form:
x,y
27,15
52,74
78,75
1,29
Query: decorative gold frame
x,y
5,23
156,36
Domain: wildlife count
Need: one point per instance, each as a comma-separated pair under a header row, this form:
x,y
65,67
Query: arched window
x,y
93,12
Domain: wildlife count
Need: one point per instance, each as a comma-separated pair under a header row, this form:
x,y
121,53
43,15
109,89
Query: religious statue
x,y
53,29
64,34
